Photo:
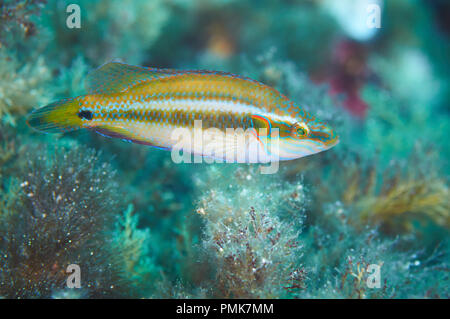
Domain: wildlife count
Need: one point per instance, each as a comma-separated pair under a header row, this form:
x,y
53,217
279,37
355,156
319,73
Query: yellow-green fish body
x,y
172,109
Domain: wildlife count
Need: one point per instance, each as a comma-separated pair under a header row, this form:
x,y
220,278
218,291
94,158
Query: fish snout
x,y
324,134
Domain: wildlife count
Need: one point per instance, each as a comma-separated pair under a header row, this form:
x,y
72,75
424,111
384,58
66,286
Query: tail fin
x,y
57,117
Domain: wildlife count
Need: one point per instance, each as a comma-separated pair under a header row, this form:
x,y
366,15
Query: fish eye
x,y
300,130
87,115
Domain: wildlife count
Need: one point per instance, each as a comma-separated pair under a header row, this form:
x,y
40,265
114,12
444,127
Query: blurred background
x,y
142,226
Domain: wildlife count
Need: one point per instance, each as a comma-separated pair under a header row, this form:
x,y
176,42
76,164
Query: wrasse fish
x,y
147,105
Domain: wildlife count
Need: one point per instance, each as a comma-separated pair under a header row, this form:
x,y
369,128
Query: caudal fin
x,y
57,117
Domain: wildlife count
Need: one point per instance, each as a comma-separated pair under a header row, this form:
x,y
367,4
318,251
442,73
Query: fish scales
x,y
146,106
228,103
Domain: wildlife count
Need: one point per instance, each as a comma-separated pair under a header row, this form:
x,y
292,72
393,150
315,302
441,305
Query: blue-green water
x,y
368,218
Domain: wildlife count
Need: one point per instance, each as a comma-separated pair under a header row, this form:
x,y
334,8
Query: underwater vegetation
x,y
393,198
21,88
334,241
253,235
66,210
141,226
16,15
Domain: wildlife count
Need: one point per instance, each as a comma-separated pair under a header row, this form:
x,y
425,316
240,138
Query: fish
x,y
212,114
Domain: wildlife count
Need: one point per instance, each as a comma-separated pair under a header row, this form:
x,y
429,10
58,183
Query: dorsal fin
x,y
116,77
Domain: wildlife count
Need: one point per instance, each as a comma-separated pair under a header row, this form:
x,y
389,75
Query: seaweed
x,y
252,234
16,14
400,198
21,86
338,256
65,214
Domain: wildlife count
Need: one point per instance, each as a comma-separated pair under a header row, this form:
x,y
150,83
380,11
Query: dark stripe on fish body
x,y
218,119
